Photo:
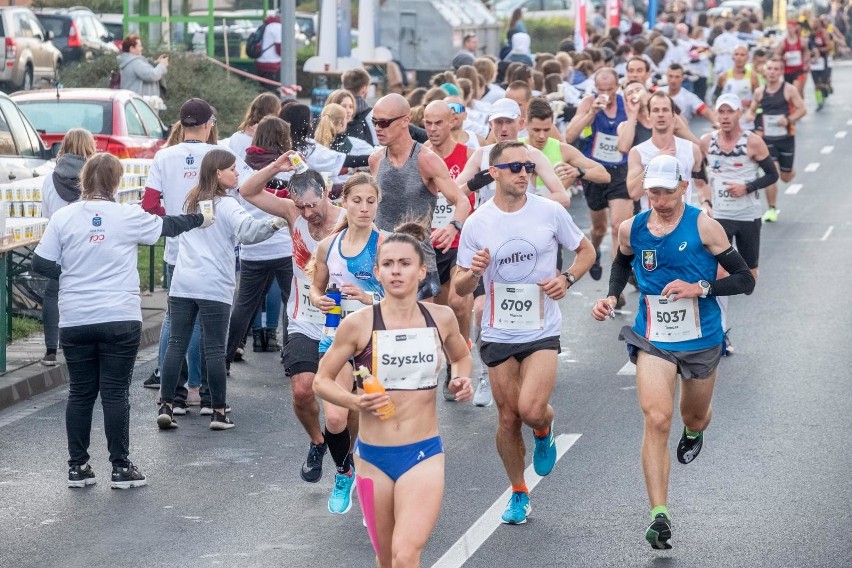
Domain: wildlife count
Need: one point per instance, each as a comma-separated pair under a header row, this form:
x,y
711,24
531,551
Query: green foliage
x,y
23,327
143,265
96,6
547,33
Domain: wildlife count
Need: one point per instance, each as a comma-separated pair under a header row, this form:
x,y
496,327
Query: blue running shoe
x,y
544,454
518,509
341,497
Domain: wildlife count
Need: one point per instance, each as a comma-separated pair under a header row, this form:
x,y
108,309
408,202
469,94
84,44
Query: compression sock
x,y
691,434
542,433
338,447
660,509
522,488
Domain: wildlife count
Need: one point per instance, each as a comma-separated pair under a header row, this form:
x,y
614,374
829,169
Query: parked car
x,y
734,7
23,154
77,32
114,23
27,55
121,122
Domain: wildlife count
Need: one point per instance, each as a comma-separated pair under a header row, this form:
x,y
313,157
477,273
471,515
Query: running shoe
x,y
221,421
207,410
544,454
688,448
446,390
660,532
153,382
180,408
165,418
49,360
193,397
81,476
620,302
596,271
127,477
518,509
482,397
312,468
727,346
341,496
771,215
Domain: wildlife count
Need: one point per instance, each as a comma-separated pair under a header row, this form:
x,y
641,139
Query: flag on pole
x,y
613,10
581,34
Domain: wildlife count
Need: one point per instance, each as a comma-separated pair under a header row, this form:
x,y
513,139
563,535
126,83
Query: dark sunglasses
x,y
385,122
515,167
457,108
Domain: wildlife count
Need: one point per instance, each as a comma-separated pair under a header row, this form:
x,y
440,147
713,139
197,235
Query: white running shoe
x,y
482,396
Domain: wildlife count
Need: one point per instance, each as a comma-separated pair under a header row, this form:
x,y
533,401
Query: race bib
x,y
348,306
818,63
443,213
670,321
304,311
516,306
407,359
605,148
793,58
723,201
771,127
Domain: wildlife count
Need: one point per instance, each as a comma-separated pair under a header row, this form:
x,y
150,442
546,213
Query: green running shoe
x,y
659,533
771,215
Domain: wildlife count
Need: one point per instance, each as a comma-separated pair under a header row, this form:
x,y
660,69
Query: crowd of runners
x,y
423,244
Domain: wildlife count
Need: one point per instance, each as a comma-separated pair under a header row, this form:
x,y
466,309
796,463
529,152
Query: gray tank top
x,y
406,198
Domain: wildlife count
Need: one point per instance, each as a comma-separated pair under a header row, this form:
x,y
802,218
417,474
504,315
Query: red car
x,y
122,123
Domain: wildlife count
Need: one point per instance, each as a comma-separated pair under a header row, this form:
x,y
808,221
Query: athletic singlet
x,y
405,198
734,167
472,140
403,359
772,107
356,270
793,56
553,152
444,212
685,157
682,325
642,134
739,87
602,144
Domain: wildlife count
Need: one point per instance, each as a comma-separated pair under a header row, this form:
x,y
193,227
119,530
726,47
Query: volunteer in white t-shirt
x,y
204,281
510,242
264,104
91,247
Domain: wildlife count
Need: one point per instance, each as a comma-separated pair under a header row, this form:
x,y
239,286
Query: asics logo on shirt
x,y
682,246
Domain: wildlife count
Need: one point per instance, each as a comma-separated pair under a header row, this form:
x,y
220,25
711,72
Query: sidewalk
x,y
25,377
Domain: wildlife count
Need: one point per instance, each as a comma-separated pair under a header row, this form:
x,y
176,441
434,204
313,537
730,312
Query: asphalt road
x,y
770,489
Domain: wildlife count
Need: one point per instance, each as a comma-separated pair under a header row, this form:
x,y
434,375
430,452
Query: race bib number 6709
x,y
516,306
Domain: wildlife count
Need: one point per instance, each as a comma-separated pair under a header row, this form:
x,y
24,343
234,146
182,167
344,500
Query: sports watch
x,y
581,173
457,224
570,278
705,288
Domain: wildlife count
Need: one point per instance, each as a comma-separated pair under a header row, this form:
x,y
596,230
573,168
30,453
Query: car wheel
x,y
27,83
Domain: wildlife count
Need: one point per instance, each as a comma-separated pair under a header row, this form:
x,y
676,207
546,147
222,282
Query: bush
x,y
547,33
190,75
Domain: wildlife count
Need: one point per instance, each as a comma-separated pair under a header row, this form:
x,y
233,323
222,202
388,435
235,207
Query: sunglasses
x,y
457,108
515,167
385,122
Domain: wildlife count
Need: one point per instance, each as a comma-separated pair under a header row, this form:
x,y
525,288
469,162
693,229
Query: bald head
x,y
438,122
437,110
391,105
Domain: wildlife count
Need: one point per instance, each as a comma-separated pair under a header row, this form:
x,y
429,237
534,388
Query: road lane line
x,y
827,150
793,189
827,233
840,134
812,167
484,527
628,369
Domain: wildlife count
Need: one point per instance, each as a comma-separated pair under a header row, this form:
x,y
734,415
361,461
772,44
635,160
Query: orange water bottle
x,y
371,385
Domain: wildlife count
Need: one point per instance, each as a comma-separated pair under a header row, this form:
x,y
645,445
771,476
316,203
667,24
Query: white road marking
x,y
827,233
812,167
827,150
840,134
793,189
849,122
628,369
484,527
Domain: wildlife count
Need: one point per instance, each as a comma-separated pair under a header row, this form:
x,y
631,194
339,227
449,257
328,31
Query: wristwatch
x,y
457,224
705,288
570,278
581,173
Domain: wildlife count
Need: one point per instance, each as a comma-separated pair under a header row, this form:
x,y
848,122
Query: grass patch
x,y
144,268
23,327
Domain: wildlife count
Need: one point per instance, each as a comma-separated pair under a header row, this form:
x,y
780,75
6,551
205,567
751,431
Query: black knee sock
x,y
338,447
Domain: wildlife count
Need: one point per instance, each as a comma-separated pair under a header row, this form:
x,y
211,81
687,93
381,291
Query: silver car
x,y
22,151
26,53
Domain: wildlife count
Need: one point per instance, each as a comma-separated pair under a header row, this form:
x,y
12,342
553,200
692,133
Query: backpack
x,y
254,42
115,79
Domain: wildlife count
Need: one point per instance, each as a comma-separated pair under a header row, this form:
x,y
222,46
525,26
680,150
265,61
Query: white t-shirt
x,y
271,36
239,143
50,200
278,245
95,242
523,247
688,102
723,47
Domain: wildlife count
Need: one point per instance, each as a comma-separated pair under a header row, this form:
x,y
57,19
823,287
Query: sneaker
x,y
620,302
221,421
49,360
771,215
208,410
659,533
312,468
446,390
81,476
165,418
544,454
518,509
482,397
341,496
127,477
727,346
688,448
180,408
239,355
153,382
596,271
193,397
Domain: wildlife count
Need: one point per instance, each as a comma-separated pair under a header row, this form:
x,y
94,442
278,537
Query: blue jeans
x,y
193,355
273,309
214,318
100,359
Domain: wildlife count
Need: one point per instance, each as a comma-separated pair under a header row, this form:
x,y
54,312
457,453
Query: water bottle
x,y
371,385
298,163
332,318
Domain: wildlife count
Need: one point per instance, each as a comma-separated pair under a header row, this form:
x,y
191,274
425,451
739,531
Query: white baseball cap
x,y
662,171
505,108
729,99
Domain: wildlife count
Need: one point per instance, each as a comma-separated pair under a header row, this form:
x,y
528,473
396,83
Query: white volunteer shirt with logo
x,y
523,247
95,242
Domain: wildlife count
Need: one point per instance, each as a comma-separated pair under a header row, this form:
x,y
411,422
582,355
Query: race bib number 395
x,y
443,213
516,306
671,321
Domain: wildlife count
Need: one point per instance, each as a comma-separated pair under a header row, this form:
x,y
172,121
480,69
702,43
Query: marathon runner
x,y
741,81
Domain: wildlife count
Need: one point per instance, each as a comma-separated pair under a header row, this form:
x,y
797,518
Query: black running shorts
x,y
494,354
783,151
598,195
690,364
745,236
301,354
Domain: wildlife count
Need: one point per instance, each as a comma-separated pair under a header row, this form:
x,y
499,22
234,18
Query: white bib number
x,y
793,58
818,63
723,201
407,359
348,306
305,312
516,306
443,213
605,148
670,321
771,127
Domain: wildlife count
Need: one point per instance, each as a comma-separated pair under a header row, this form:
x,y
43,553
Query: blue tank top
x,y
678,255
358,269
602,145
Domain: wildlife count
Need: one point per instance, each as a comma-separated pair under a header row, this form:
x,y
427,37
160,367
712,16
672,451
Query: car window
x,y
56,25
19,131
60,117
87,26
7,143
22,26
38,31
99,29
150,120
134,123
35,139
